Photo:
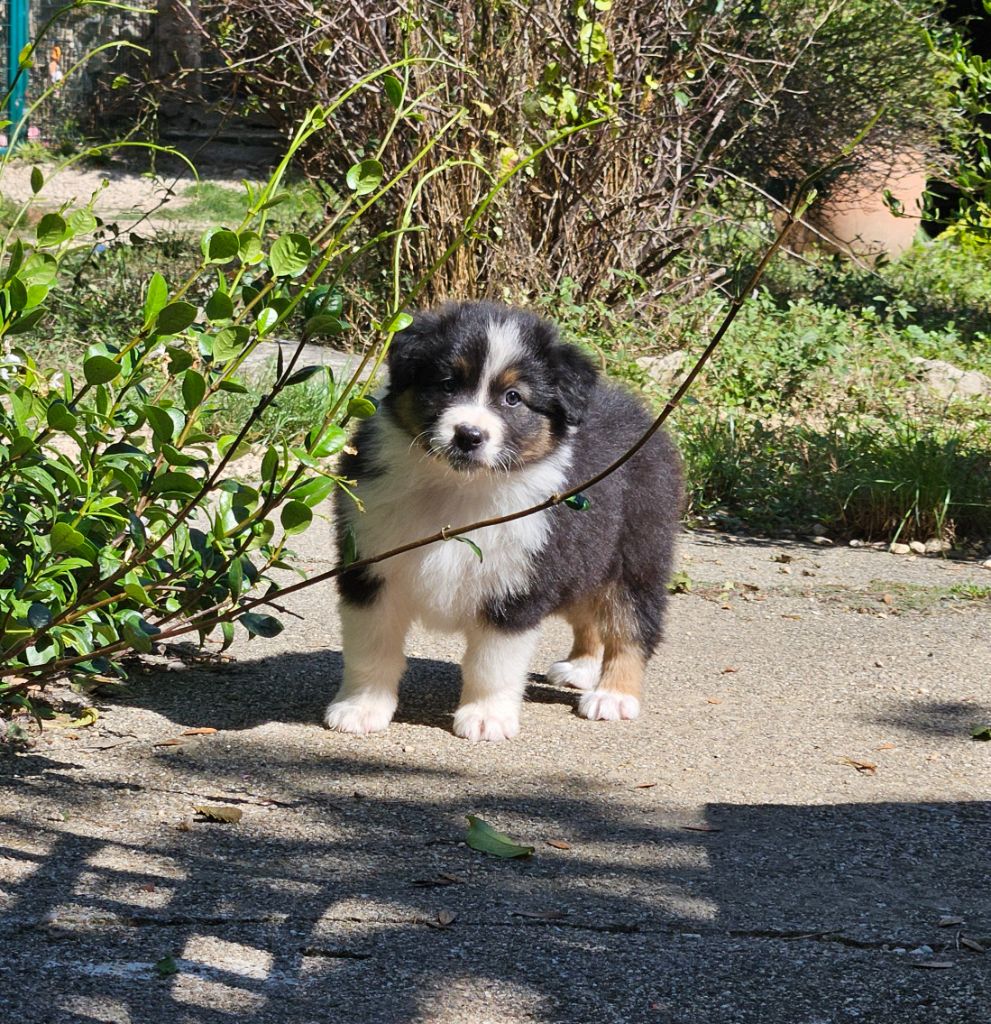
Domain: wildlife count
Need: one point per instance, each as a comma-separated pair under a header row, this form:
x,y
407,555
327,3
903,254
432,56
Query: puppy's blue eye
x,y
512,398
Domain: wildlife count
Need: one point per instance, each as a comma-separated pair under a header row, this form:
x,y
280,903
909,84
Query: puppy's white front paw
x,y
582,673
485,720
605,706
360,714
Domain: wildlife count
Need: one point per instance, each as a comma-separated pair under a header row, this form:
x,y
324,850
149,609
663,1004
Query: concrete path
x,y
730,857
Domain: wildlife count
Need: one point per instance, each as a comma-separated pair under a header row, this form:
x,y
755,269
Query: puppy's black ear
x,y
410,347
574,378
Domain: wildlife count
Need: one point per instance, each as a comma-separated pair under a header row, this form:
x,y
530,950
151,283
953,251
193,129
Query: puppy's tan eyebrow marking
x,y
507,379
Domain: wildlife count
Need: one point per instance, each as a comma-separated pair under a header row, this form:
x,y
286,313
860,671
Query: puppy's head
x,y
486,387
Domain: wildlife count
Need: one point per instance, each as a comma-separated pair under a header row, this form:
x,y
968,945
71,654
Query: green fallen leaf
x,y
982,732
484,838
166,967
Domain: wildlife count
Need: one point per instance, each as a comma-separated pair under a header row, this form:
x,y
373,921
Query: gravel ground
x,y
730,857
127,194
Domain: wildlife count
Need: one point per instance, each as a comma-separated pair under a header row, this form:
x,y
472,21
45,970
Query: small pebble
x,y
900,549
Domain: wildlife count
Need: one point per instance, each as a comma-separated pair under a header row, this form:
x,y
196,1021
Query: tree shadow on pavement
x,y
297,687
936,718
347,891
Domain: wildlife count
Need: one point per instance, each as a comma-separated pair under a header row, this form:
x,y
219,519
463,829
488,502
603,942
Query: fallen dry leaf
x,y
888,599
558,844
645,785
729,668
446,918
783,558
864,767
168,743
886,746
797,618
972,944
438,882
218,812
701,828
539,915
948,921
713,700
206,730
937,964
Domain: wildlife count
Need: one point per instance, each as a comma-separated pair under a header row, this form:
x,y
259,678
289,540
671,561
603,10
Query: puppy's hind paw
x,y
606,706
581,673
359,714
490,722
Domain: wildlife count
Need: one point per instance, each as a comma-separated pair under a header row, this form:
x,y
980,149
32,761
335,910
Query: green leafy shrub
x,y
121,517
124,519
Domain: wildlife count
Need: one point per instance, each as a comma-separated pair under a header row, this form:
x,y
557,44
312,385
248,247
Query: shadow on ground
x,y
298,688
373,910
347,892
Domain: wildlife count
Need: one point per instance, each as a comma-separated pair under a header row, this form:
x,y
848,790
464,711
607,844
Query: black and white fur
x,y
488,412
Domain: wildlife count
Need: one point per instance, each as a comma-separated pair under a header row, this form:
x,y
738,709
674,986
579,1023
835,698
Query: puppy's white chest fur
x,y
445,585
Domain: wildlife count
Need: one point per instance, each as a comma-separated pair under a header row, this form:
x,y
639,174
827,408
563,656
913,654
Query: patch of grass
x,y
286,420
895,595
210,203
859,476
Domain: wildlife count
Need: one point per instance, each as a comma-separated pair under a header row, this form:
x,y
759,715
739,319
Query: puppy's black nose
x,y
467,437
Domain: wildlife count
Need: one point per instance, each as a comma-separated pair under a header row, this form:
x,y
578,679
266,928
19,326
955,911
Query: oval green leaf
x,y
361,408
65,538
290,254
193,389
261,625
266,320
323,325
220,306
52,230
365,177
175,317
394,90
295,517
155,297
220,245
100,369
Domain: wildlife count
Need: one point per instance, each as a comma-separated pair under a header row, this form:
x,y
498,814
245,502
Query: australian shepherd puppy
x,y
488,412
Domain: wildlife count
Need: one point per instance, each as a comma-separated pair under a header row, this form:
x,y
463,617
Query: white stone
x,y
664,369
949,381
900,549
918,547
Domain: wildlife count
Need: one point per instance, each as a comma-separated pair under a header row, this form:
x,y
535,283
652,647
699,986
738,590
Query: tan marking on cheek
x,y
407,414
537,445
